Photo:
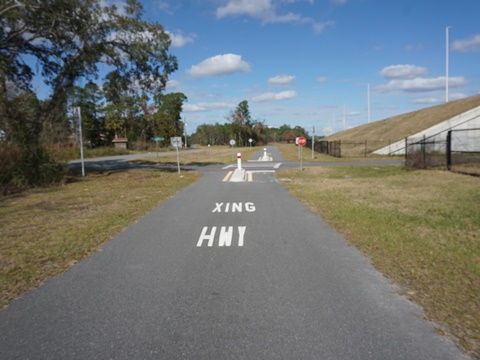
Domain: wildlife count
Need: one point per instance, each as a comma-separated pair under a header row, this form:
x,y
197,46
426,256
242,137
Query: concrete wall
x,y
466,120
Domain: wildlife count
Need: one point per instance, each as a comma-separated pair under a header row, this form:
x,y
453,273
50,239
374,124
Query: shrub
x,y
27,167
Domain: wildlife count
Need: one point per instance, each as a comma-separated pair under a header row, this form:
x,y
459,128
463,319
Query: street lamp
x,y
185,132
368,102
446,64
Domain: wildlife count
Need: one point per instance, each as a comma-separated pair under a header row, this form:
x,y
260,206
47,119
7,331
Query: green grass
x,y
421,229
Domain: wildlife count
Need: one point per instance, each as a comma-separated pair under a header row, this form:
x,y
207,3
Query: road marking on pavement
x,y
233,207
224,238
227,234
227,176
249,173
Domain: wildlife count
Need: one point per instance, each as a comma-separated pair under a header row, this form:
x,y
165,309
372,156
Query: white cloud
x,y
412,47
206,106
422,84
165,7
339,2
179,40
471,44
281,80
172,84
437,100
318,27
403,71
272,96
266,11
327,130
219,65
321,79
193,108
254,8
429,100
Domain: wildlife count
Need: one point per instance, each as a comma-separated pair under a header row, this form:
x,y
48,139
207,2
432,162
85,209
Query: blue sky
x,y
302,62
309,62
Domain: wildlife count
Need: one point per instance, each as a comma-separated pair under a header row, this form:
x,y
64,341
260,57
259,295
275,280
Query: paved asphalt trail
x,y
275,283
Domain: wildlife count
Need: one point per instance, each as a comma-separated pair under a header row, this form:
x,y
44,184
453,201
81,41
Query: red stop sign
x,y
302,141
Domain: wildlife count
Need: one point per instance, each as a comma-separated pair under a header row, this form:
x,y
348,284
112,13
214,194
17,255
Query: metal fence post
x,y
424,152
449,150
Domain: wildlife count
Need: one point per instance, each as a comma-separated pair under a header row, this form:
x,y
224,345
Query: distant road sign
x,y
232,142
157,138
302,141
176,141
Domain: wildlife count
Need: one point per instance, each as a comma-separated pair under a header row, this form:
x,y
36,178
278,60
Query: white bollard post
x,y
239,161
265,155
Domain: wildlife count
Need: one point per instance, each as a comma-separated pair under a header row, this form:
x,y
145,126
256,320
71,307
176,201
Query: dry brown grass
x,y
290,153
421,229
206,156
45,231
380,133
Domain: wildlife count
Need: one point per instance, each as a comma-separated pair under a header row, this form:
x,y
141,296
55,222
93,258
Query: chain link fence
x,y
458,150
463,151
343,148
425,152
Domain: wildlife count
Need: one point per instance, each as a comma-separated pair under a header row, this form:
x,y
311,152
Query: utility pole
x,y
368,98
80,138
185,132
313,140
446,64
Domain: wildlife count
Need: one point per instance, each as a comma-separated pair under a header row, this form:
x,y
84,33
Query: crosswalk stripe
x,y
227,176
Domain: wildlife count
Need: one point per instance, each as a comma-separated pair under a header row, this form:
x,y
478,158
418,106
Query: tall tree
x,y
69,38
241,122
243,112
90,99
168,116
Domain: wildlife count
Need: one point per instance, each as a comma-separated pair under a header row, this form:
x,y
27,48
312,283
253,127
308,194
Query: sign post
x,y
157,139
301,142
176,142
80,138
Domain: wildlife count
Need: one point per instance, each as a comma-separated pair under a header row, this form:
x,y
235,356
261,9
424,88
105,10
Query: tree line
x,y
73,46
67,42
240,127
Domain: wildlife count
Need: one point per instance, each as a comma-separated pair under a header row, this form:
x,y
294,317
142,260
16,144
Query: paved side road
x,y
222,271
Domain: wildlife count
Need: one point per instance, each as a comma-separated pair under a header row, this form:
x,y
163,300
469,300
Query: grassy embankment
x,y
420,228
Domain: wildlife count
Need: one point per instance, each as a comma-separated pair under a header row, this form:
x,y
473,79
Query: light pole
x,y
368,102
185,132
446,64
313,140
